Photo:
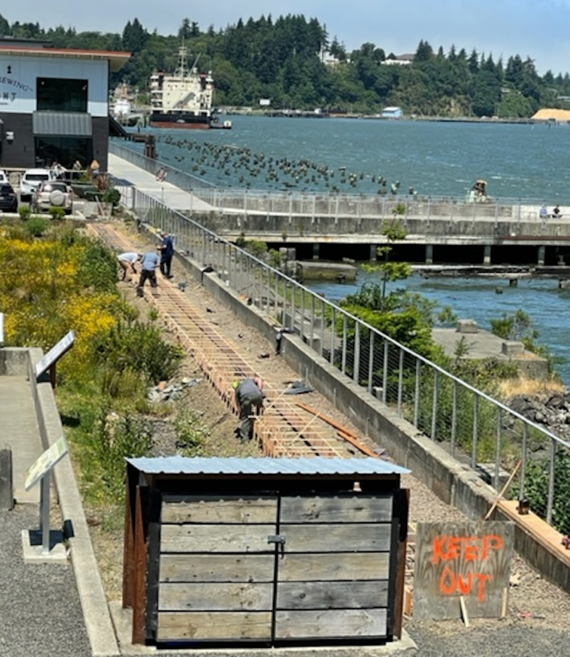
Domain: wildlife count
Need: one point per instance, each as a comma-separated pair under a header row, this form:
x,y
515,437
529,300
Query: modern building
x,y
392,113
54,104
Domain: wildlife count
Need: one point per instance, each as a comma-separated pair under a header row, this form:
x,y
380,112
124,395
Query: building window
x,y
66,150
61,95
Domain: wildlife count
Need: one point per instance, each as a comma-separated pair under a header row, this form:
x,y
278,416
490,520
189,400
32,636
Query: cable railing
x,y
365,207
469,424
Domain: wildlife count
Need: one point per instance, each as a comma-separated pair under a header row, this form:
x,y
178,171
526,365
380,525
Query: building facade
x,y
54,104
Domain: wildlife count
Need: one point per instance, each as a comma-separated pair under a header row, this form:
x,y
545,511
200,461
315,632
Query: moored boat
x,y
184,98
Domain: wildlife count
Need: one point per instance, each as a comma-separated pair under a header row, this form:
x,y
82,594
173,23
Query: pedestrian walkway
x,y
127,175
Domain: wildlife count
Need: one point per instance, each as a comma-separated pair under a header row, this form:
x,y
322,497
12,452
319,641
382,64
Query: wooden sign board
x,y
55,353
462,560
51,457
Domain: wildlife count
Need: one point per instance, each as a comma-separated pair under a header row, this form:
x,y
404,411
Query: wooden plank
x,y
216,568
357,508
453,560
214,510
332,595
217,538
216,597
333,566
213,626
337,538
339,624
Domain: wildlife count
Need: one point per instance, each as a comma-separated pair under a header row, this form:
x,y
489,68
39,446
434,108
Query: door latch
x,y
277,539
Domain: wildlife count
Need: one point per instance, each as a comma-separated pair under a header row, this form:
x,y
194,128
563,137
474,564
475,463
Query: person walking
x,y
249,399
127,261
150,262
166,254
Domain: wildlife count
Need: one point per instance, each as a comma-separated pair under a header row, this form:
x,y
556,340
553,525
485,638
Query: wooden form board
x,y
462,560
224,575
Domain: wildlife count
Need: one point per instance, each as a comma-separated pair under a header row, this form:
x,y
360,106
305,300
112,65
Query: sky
x,y
539,29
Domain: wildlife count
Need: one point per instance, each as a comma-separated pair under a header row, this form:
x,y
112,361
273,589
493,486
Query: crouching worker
x,y
249,399
127,263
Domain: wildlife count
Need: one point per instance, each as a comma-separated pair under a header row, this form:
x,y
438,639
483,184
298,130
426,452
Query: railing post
x,y
370,361
385,371
356,372
333,334
475,432
551,482
498,449
344,346
434,404
400,381
454,418
417,393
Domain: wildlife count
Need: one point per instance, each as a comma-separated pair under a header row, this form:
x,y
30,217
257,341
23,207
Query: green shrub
x,y
24,212
37,226
106,440
140,347
56,213
111,195
191,432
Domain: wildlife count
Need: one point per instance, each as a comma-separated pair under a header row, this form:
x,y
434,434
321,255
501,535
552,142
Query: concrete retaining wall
x,y
456,484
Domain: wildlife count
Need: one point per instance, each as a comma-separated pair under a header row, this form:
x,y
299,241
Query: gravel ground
x,y
40,613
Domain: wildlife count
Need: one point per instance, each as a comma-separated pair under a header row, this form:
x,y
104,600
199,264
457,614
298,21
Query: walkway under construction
x,y
287,427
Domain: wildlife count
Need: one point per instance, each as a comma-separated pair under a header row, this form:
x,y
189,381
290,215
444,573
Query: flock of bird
x,y
252,170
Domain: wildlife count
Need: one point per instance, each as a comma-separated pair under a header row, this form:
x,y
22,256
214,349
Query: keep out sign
x,y
468,560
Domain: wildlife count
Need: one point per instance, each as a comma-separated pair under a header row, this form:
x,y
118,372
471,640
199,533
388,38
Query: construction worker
x,y
249,399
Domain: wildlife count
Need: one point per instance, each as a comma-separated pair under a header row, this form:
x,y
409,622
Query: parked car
x,y
8,198
31,180
4,178
52,193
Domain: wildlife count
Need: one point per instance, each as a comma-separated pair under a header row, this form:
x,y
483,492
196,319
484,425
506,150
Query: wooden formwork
x,y
283,429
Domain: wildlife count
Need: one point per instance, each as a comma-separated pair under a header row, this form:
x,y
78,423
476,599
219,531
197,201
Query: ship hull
x,y
179,120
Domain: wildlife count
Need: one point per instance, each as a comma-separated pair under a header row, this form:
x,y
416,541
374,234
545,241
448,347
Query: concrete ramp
x,y
20,431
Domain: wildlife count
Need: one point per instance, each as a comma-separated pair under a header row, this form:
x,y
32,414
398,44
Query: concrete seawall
x,y
455,483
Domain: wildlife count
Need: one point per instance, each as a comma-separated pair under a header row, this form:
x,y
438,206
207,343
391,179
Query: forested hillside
x,y
281,60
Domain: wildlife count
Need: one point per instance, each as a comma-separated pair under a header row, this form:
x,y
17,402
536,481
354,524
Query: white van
x,y
31,180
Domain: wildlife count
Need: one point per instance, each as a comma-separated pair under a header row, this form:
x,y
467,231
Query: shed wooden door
x,y
217,569
333,573
273,570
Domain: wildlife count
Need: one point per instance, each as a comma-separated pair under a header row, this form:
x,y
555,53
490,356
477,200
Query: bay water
x,y
519,162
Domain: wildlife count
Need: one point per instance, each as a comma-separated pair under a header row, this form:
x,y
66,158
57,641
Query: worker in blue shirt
x,y
166,254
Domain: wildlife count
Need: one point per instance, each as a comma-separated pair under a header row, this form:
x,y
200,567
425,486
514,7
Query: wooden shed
x,y
263,551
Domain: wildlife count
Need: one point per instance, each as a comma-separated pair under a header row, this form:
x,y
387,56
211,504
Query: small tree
x,y
390,271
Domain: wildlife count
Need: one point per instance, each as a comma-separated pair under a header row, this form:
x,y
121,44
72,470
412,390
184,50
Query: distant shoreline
x,y
293,114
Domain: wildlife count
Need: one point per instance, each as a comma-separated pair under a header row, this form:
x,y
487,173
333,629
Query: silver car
x,y
52,193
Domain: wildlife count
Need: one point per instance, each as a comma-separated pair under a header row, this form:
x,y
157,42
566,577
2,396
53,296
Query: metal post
x,y
333,334
454,417
498,449
44,511
523,460
417,393
370,361
385,371
400,380
312,320
551,481
344,330
302,313
475,431
434,405
356,372
322,345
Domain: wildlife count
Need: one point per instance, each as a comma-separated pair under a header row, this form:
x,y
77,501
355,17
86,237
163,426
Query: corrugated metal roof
x,y
74,124
180,465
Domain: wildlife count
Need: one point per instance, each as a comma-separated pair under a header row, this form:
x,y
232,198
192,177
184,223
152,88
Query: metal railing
x,y
338,206
468,423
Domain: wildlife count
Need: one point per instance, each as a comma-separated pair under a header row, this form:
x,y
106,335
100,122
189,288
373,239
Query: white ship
x,y
183,99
